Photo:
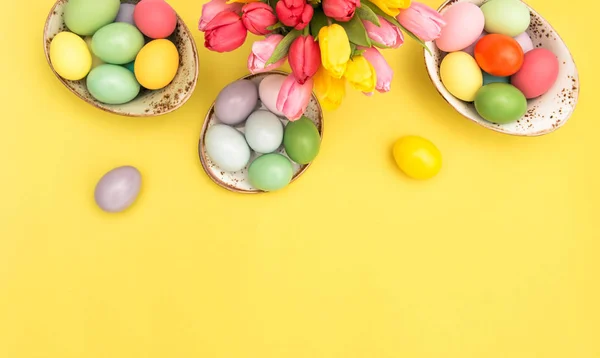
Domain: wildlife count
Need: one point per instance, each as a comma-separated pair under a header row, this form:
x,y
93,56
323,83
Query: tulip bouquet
x,y
327,43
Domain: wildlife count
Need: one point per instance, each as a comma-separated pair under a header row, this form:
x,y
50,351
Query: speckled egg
x,y
263,131
118,189
227,147
236,101
464,24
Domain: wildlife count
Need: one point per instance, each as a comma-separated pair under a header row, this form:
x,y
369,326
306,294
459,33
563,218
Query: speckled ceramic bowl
x,y
546,113
147,103
238,181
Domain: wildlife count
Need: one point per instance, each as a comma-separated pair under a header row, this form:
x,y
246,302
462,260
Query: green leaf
x,y
365,13
282,49
275,27
393,21
357,34
352,49
358,53
318,21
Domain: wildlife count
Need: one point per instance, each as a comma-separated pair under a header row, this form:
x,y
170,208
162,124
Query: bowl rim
x,y
201,145
184,99
498,128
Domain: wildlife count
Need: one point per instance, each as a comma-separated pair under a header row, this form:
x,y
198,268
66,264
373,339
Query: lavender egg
x,y
118,189
126,14
525,41
236,101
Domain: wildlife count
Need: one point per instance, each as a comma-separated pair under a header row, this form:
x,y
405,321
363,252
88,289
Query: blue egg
x,y
130,66
487,79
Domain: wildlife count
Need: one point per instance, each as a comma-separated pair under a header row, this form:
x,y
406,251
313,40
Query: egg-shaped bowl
x,y
544,114
147,103
238,181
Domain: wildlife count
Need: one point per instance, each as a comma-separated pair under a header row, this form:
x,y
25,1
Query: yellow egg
x,y
461,75
70,56
156,64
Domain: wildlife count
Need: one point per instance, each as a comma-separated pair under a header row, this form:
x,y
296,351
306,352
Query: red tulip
x,y
225,32
257,16
293,97
304,57
214,7
294,13
340,10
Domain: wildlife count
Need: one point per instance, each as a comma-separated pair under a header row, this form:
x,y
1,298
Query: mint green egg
x,y
85,17
112,84
506,17
130,66
117,43
270,172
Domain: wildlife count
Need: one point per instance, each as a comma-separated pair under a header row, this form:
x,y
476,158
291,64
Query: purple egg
x,y
118,189
236,101
126,14
525,41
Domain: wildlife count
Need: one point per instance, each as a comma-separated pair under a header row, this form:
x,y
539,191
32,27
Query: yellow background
x,y
495,257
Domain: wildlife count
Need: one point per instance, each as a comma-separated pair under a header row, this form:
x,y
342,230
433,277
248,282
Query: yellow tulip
x,y
329,90
335,49
392,7
361,74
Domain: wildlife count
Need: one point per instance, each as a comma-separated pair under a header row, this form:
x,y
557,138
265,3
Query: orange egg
x,y
499,55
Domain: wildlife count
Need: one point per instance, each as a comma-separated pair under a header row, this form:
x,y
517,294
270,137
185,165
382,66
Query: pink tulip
x,y
294,13
422,21
213,7
257,16
225,32
387,34
304,57
293,97
340,10
261,52
382,68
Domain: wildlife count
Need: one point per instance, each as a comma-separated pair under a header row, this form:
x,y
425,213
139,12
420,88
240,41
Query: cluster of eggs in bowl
x,y
537,115
69,29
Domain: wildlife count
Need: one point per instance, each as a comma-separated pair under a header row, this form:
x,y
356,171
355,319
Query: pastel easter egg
x,y
301,140
85,17
268,90
487,79
500,103
155,19
270,172
464,24
499,55
538,73
226,147
156,64
471,48
70,56
461,75
112,84
263,131
525,42
126,14
506,17
236,101
117,43
118,189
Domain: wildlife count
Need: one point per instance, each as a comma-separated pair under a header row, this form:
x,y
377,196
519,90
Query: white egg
x,y
227,147
264,131
268,90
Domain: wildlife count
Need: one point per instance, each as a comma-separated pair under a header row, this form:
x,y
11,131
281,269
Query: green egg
x,y
500,103
506,17
270,172
130,66
85,17
301,140
117,43
112,84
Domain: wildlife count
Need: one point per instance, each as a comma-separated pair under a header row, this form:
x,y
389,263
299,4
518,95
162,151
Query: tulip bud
x,y
294,13
294,97
304,57
423,21
225,32
257,16
262,51
213,7
340,10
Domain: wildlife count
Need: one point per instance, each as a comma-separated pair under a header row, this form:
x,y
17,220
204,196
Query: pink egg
x,y
525,41
464,24
155,19
538,73
471,49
